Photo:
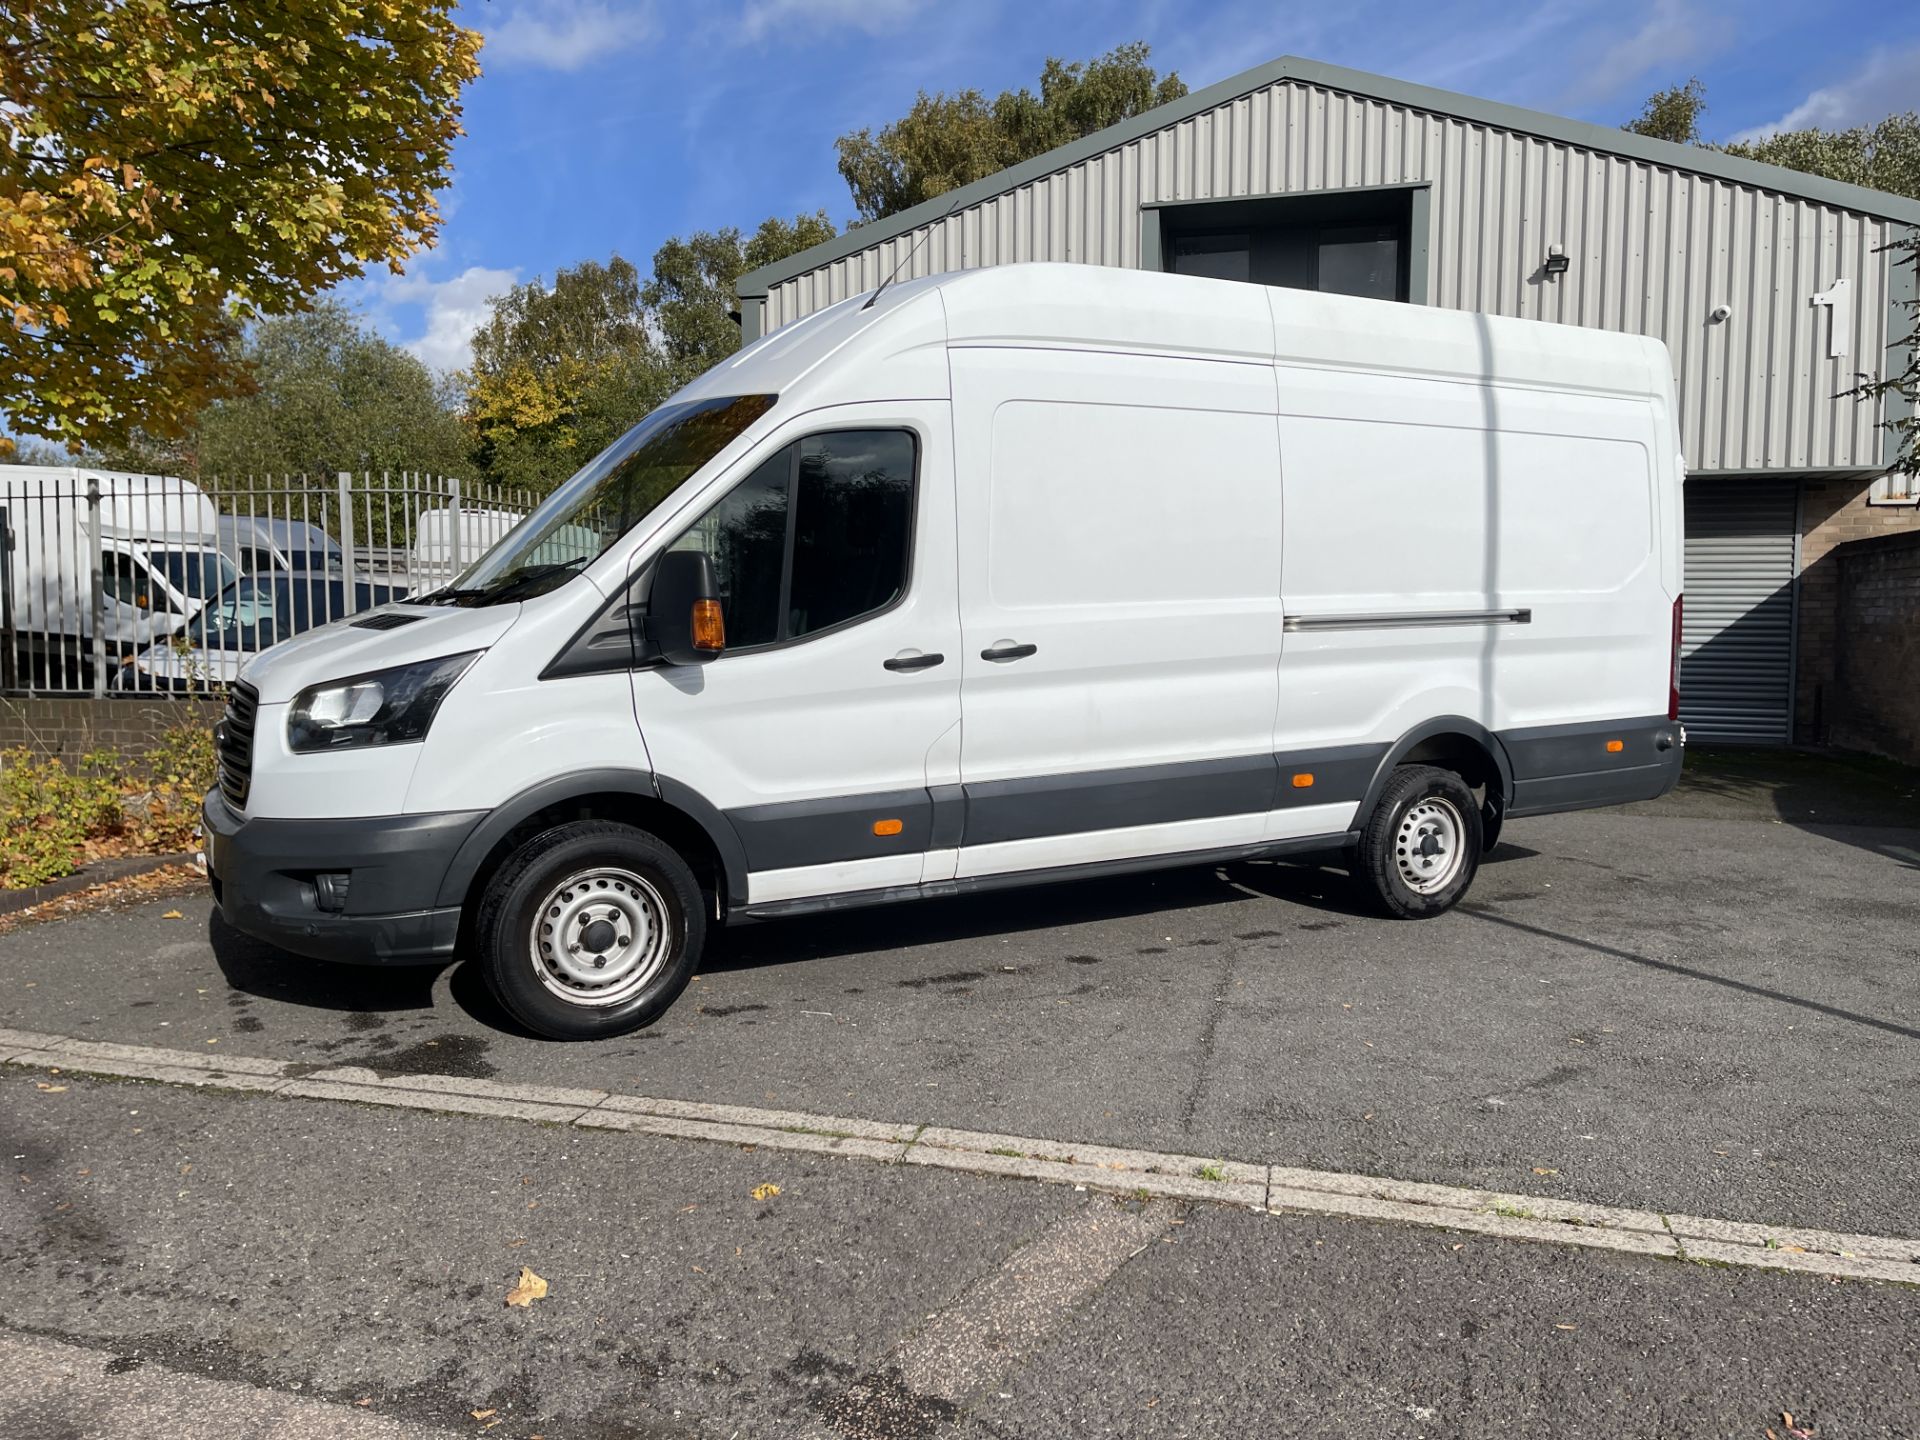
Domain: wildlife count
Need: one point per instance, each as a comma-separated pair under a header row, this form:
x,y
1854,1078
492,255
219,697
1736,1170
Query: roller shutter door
x,y
1736,651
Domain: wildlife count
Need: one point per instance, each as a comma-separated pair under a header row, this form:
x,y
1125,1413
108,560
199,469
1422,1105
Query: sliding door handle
x,y
915,661
1004,650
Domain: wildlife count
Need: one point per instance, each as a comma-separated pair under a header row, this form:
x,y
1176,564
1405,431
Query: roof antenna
x,y
912,252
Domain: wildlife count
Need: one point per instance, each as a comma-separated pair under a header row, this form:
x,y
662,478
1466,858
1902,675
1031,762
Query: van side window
x,y
820,534
126,580
853,527
746,534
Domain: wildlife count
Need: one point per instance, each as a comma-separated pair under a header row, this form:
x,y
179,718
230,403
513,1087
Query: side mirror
x,y
684,620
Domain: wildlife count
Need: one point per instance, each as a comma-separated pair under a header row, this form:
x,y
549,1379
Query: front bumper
x,y
263,869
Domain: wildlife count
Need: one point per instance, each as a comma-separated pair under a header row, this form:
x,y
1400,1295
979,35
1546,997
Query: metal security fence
x,y
113,582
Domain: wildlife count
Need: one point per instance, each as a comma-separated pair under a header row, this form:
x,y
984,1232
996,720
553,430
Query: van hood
x,y
348,647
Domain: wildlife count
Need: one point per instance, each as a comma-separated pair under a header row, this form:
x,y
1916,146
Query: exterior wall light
x,y
1557,261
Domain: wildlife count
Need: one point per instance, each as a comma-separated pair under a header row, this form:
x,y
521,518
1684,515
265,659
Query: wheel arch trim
x,y
1397,753
640,784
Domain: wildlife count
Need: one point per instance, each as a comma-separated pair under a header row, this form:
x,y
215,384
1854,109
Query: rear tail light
x,y
1673,672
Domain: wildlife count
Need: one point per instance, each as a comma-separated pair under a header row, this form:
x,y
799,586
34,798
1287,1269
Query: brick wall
x,y
1833,513
1875,700
69,726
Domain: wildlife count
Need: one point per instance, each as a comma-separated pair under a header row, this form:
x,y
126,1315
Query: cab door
x,y
835,708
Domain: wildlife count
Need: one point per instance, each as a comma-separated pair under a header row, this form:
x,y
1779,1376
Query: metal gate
x,y
1736,651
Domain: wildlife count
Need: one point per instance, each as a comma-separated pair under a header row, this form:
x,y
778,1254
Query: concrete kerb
x,y
1271,1188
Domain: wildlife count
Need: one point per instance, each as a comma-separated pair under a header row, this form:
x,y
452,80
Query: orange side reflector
x,y
1614,747
887,827
1303,782
709,626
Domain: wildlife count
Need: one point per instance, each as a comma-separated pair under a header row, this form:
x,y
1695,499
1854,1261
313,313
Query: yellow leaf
x,y
481,1414
530,1289
51,1089
1539,1170
765,1192
173,915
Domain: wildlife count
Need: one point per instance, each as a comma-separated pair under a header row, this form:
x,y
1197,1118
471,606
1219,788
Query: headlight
x,y
387,707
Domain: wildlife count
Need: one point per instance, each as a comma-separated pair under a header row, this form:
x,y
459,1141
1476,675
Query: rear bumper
x,y
1569,767
263,870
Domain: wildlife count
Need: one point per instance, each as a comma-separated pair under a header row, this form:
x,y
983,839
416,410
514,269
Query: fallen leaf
x,y
364,1401
1539,1170
765,1192
481,1414
1564,1327
51,1089
173,915
530,1289
688,1209
516,1244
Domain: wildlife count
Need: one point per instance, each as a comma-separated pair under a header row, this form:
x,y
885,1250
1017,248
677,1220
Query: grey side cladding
x,y
821,832
1571,767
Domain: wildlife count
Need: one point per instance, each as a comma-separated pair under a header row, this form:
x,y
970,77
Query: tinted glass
x,y
746,534
248,615
1361,260
853,523
195,573
1219,257
125,580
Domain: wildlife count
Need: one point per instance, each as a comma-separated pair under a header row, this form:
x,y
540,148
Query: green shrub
x,y
48,813
180,771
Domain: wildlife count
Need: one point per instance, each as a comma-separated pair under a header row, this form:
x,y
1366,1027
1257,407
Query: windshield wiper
x,y
519,580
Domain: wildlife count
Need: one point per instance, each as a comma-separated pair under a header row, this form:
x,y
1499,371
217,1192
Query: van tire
x,y
586,906
1421,805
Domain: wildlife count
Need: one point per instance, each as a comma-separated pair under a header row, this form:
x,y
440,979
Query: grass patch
x,y
1212,1170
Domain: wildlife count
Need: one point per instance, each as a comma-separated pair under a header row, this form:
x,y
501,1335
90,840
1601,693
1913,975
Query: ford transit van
x,y
1005,576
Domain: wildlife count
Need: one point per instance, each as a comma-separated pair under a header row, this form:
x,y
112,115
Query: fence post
x,y
95,562
346,536
453,495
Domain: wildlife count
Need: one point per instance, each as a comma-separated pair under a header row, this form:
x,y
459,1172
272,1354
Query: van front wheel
x,y
1421,846
590,929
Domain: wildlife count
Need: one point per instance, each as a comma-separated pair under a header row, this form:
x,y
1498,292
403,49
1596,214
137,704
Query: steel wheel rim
x,y
1429,845
600,937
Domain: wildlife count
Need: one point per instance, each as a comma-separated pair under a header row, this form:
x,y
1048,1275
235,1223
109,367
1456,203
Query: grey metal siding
x,y
1736,651
1652,250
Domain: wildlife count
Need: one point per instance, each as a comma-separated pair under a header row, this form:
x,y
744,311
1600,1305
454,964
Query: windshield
x,y
194,573
609,496
249,615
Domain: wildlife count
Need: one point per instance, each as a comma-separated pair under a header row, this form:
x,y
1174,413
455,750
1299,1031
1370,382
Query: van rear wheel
x,y
1421,846
590,929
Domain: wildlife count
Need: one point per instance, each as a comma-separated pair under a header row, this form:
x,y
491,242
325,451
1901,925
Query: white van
x,y
160,561
1018,574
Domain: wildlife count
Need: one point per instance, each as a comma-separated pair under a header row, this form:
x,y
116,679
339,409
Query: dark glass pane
x,y
854,523
1219,257
746,534
1361,260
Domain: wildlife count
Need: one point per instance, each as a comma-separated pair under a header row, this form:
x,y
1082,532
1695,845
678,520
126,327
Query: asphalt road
x,y
1714,1014
262,1247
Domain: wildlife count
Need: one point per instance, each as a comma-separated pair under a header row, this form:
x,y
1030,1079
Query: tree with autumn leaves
x,y
172,170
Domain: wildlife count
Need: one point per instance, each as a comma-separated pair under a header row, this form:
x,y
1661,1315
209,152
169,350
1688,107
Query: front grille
x,y
233,739
384,620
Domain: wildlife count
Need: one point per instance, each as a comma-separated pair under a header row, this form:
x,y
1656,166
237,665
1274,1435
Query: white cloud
x,y
567,34
1888,84
1674,32
810,17
454,309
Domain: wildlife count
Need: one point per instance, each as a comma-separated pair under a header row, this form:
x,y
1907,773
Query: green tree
x,y
1883,156
171,169
327,395
559,371
946,141
1905,382
1673,114
691,294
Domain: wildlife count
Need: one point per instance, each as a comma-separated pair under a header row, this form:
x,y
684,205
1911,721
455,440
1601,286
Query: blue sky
x,y
609,125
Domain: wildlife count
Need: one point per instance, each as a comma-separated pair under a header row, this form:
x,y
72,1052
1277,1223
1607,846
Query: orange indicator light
x,y
887,827
1614,747
709,626
1303,781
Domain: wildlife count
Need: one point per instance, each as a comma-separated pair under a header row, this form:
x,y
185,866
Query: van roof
x,y
1097,307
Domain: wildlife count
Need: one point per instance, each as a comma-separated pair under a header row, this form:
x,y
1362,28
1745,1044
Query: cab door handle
x,y
1005,650
914,662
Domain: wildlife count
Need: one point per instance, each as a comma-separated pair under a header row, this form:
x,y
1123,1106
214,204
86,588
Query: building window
x,y
1354,242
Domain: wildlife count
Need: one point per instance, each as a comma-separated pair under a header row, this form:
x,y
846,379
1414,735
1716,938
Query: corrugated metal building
x,y
1772,289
